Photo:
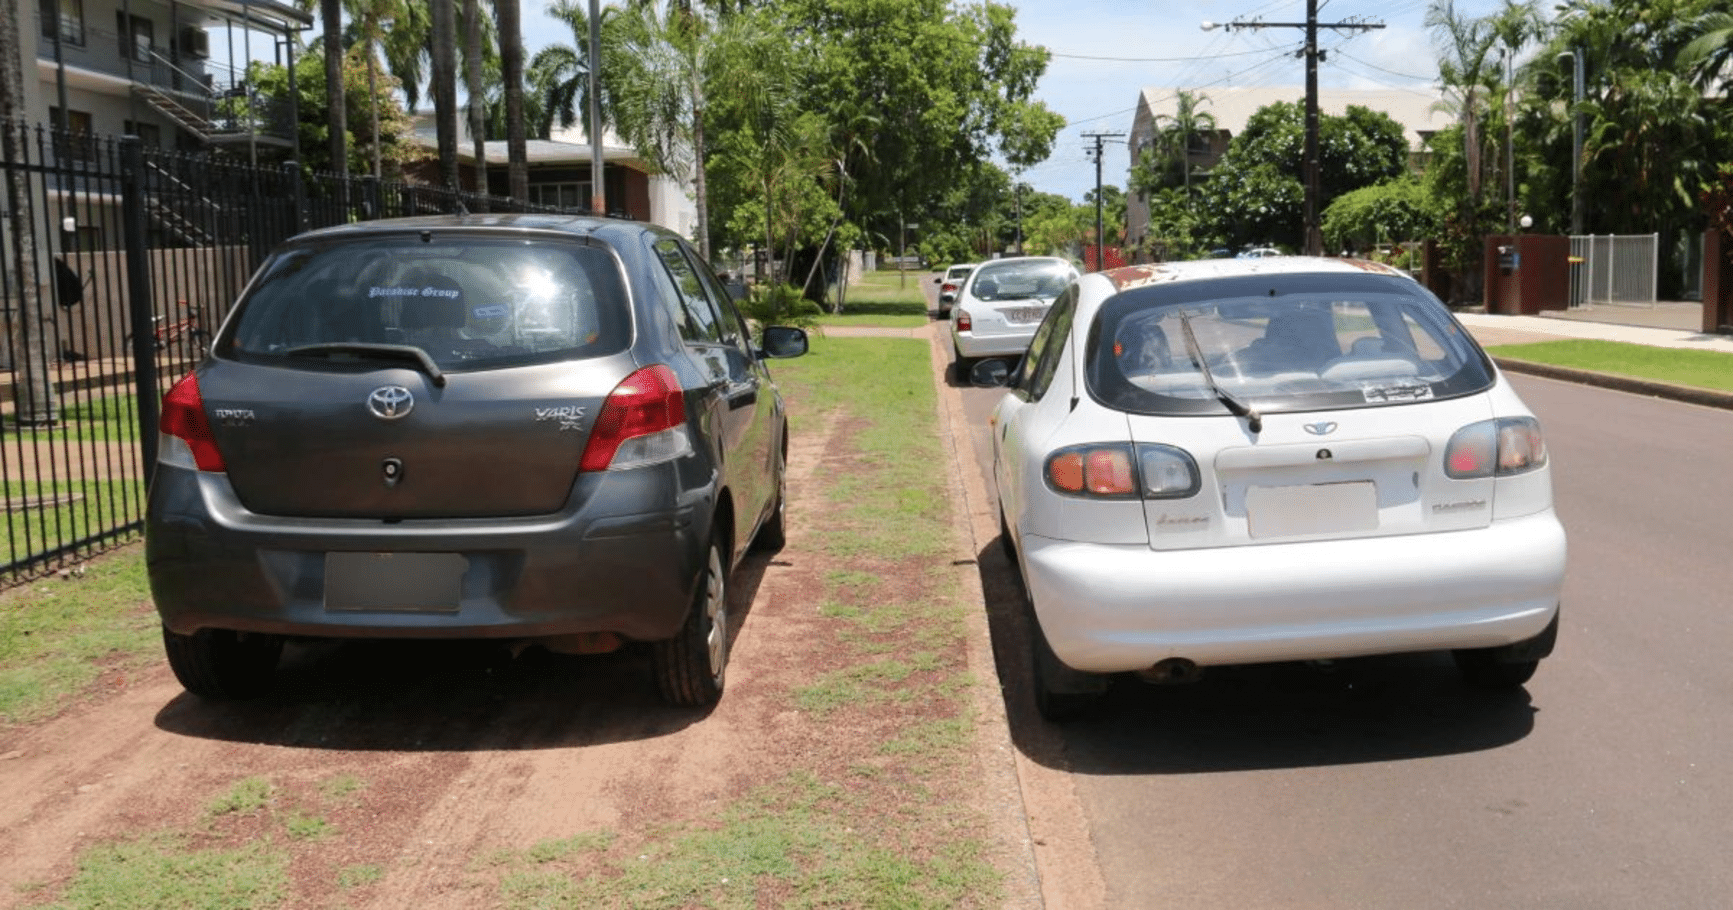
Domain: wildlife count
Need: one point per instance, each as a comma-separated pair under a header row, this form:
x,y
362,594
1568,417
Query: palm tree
x,y
1178,130
368,27
1707,58
1462,68
659,69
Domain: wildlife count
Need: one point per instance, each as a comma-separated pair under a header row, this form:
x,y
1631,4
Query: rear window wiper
x,y
1234,404
365,349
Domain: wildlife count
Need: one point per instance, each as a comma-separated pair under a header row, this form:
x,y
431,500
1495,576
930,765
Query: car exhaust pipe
x,y
1172,671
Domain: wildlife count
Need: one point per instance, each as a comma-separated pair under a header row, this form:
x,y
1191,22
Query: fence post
x,y
140,308
370,202
297,194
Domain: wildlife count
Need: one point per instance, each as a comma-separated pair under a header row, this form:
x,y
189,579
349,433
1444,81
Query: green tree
x,y
916,93
394,135
1398,211
1255,193
1166,162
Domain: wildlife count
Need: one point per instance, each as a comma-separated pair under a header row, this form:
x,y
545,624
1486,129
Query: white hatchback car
x,y
1238,461
996,312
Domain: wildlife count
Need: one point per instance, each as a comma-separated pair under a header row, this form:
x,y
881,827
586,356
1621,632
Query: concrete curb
x,y
1709,398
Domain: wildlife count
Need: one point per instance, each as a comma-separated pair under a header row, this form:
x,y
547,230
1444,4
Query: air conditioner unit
x,y
195,42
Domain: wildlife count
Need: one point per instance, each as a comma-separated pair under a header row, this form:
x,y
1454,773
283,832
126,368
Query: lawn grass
x,y
884,299
1679,366
59,635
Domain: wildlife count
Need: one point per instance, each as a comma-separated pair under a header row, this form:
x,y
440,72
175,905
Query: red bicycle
x,y
186,337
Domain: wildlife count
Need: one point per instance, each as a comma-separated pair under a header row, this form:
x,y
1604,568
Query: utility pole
x,y
1314,237
1095,155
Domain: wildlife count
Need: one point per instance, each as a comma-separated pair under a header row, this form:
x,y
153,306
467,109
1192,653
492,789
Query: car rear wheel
x,y
1509,666
690,666
220,664
1061,693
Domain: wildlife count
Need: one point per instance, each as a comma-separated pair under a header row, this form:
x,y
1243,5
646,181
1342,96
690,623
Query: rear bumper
x,y
1009,344
1112,608
212,564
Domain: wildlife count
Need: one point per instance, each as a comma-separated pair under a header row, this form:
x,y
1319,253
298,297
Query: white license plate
x,y
1325,508
1025,314
394,582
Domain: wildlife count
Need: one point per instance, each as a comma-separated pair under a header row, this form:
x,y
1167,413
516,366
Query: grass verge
x,y
60,635
1699,369
884,299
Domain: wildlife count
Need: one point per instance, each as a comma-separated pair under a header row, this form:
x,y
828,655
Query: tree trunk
x,y
331,22
477,97
444,28
511,64
34,395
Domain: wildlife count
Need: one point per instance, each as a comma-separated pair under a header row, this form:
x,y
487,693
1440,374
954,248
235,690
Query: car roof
x,y
579,225
1134,276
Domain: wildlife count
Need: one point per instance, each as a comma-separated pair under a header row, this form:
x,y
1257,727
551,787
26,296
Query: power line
x,y
1309,167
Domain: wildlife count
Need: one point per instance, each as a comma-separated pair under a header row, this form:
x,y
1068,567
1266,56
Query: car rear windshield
x,y
470,302
1025,280
1307,343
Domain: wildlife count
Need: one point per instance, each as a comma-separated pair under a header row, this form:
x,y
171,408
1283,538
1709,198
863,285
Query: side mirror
x,y
781,342
992,373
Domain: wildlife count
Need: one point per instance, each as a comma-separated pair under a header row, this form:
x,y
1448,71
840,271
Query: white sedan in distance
x,y
1236,461
1001,303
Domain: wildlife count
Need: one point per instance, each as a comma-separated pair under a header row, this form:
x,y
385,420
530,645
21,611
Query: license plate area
x,y
1312,509
1025,314
394,582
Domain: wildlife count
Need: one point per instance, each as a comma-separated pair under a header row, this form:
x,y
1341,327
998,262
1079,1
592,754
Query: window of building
x,y
138,41
149,134
570,195
71,21
74,136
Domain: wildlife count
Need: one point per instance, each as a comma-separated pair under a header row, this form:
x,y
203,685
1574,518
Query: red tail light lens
x,y
964,323
1502,447
1122,471
183,418
642,422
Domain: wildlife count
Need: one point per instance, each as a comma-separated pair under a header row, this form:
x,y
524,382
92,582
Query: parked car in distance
x,y
951,282
532,429
1236,461
1000,304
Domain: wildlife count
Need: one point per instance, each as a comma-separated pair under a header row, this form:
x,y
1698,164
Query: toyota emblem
x,y
390,402
1321,428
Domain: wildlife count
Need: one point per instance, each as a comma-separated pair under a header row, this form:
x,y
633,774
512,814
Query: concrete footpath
x,y
1665,325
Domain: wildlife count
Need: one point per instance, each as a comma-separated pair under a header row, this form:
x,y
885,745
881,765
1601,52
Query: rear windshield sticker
x,y
413,292
492,311
1397,392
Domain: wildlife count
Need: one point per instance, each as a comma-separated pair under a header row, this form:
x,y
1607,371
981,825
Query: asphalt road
x,y
1386,783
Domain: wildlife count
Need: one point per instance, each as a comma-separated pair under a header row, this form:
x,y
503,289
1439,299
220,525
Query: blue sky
x,y
1105,52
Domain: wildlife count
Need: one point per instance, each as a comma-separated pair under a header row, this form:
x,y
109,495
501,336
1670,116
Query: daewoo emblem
x,y
390,402
1321,428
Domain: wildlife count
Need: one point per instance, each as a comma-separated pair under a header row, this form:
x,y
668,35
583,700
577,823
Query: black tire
x,y
1061,693
1483,669
1005,544
220,664
1509,666
691,667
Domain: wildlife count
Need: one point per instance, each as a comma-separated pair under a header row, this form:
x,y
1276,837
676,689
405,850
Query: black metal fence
x,y
119,263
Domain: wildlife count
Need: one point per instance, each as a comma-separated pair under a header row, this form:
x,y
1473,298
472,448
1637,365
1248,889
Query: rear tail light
x,y
1501,447
643,422
964,323
1123,471
187,440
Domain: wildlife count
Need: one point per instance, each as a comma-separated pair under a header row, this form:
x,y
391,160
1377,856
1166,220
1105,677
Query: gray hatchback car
x,y
528,428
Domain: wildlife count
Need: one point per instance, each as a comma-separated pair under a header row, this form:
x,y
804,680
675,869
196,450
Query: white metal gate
x,y
1614,268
